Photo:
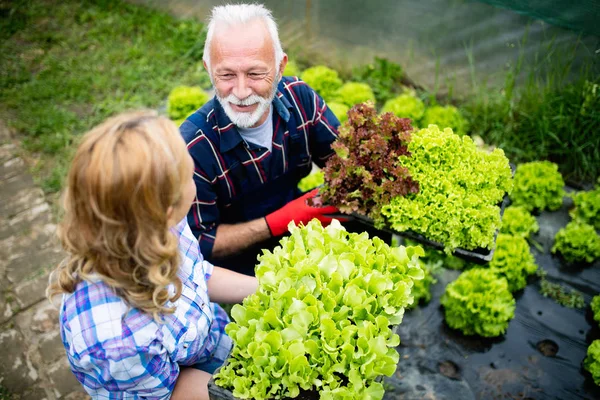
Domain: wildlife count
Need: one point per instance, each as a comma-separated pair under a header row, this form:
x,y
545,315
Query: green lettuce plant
x,y
538,186
587,207
460,189
577,242
325,81
311,181
322,316
406,106
445,117
352,93
513,261
421,290
184,100
478,302
340,110
592,361
365,173
595,305
384,76
437,259
517,221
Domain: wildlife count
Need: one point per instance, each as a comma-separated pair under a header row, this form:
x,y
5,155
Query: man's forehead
x,y
250,34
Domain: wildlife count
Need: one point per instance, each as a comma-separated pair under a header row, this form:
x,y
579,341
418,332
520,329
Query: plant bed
x,y
323,318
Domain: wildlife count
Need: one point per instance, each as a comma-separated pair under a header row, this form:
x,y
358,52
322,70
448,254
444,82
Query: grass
x,y
68,65
547,117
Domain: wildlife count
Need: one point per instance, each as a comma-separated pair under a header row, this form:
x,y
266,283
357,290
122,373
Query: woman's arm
x,y
192,384
225,286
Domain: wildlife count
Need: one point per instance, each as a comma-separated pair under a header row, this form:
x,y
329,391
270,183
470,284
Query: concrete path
x,y
34,364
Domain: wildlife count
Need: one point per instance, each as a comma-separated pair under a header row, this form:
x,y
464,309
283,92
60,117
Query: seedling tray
x,y
479,256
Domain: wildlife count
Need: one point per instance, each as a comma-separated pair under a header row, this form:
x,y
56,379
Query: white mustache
x,y
248,101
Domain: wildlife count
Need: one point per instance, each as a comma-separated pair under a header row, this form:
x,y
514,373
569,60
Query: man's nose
x,y
241,90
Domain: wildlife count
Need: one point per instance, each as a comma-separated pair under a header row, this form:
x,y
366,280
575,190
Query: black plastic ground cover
x,y
539,357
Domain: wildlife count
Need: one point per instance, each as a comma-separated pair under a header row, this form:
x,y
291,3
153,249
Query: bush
x,y
513,261
406,106
538,186
184,100
517,221
325,81
577,242
291,69
340,110
445,117
592,361
352,93
478,302
587,207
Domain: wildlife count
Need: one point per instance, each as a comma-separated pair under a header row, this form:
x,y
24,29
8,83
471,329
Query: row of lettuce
x,y
381,85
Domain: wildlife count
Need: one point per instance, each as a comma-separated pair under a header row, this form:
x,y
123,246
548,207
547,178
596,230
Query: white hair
x,y
240,14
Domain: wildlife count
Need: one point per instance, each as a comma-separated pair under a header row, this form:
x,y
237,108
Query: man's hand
x,y
299,211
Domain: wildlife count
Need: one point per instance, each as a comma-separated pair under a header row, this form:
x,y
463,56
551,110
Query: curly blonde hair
x,y
126,174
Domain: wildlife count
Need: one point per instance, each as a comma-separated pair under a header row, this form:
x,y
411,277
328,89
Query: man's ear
x,y
205,67
283,63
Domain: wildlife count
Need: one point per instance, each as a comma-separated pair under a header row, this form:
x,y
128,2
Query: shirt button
x,y
185,345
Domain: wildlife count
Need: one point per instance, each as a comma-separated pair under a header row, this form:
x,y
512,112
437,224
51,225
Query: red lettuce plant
x,y
364,174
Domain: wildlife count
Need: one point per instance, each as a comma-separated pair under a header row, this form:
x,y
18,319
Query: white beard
x,y
247,119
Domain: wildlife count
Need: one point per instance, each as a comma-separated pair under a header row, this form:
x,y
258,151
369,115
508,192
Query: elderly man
x,y
253,142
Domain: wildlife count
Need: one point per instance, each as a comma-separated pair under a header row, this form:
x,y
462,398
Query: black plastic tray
x,y
479,256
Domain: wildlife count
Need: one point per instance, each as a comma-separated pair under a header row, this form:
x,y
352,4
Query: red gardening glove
x,y
298,211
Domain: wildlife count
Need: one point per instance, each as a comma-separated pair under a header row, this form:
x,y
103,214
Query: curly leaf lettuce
x,y
517,221
323,80
538,186
595,305
478,302
321,317
587,207
445,117
513,261
592,361
460,188
577,242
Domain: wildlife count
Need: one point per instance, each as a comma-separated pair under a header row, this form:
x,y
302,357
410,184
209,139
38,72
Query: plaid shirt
x,y
238,181
119,352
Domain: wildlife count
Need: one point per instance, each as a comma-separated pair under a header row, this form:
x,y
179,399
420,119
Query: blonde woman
x,y
135,293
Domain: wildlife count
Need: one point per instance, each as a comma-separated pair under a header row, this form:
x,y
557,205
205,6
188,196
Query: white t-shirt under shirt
x,y
261,135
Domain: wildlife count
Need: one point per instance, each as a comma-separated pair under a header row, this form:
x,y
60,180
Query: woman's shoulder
x,y
94,316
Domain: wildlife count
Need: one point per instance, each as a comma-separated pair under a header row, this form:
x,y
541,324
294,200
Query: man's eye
x,y
226,76
257,75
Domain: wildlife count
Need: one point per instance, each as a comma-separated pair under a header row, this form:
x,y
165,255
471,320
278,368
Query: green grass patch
x,y
549,116
68,65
